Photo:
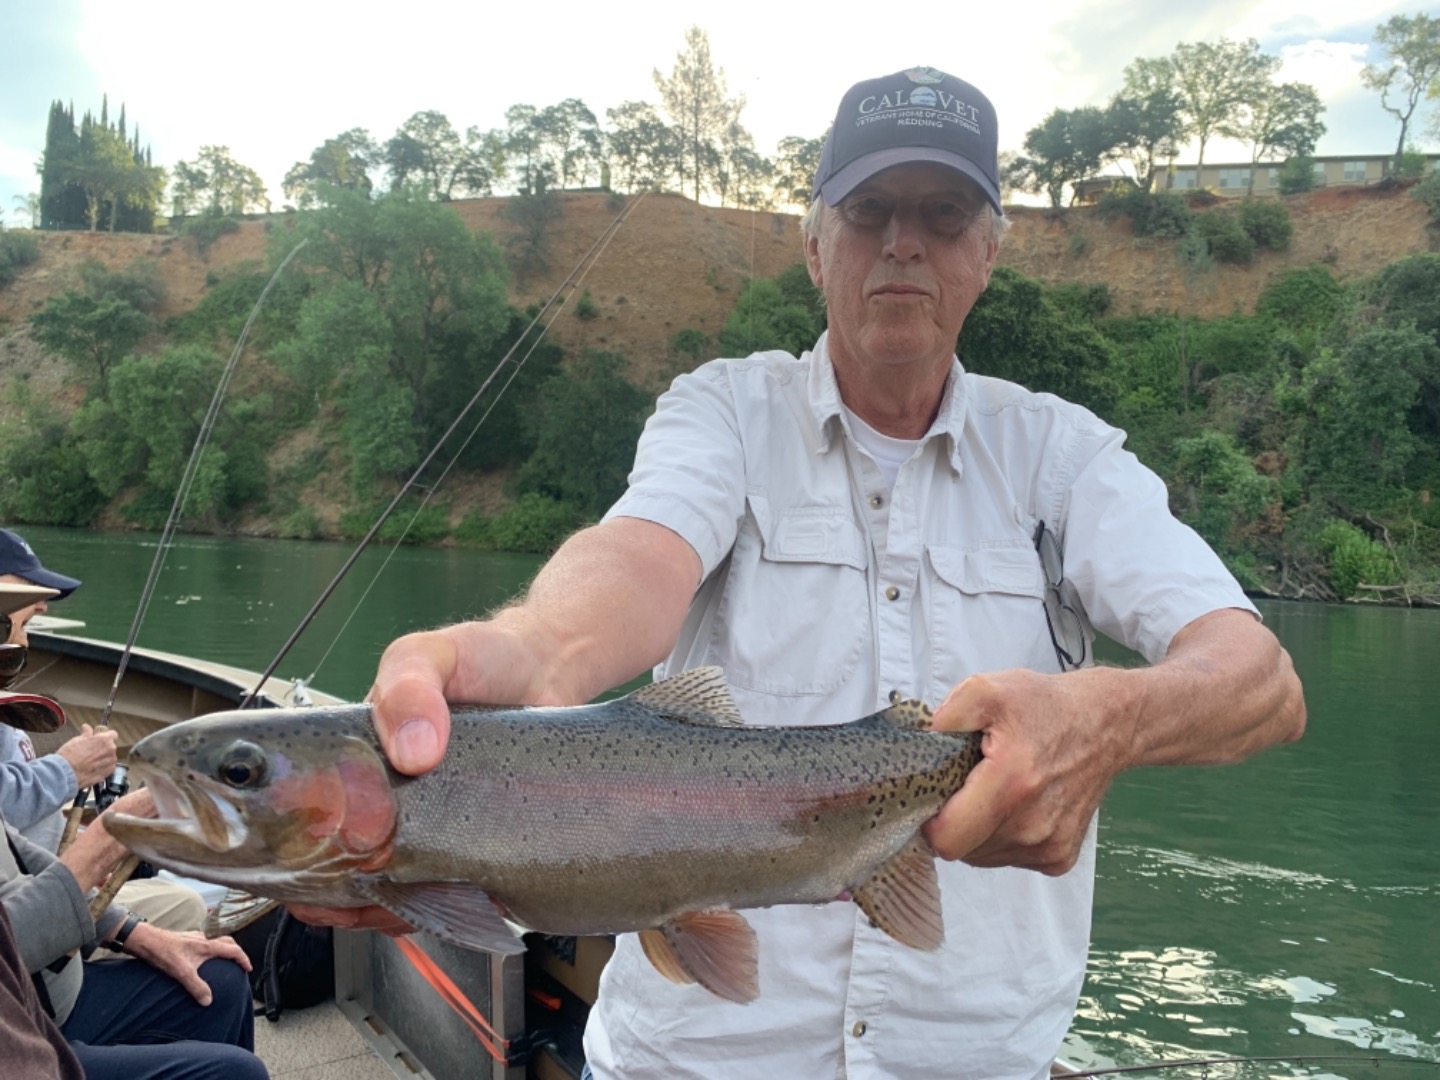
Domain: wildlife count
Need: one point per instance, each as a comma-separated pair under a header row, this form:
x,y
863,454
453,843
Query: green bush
x,y
1162,215
1428,192
207,228
534,525
1412,165
585,307
303,524
1302,299
1355,559
1226,237
1267,222
1297,176
16,250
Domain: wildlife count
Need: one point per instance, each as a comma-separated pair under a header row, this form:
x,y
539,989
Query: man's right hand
x,y
91,754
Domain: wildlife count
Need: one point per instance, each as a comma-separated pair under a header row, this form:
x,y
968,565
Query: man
x,y
33,790
869,520
182,1012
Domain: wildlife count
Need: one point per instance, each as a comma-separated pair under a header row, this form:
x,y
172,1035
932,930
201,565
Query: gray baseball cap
x,y
917,115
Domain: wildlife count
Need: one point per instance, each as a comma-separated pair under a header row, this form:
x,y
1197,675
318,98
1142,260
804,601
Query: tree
x,y
96,172
29,208
737,172
90,333
524,147
644,152
797,161
694,96
342,162
1215,81
1413,46
1066,147
1282,121
1145,119
570,140
427,150
215,183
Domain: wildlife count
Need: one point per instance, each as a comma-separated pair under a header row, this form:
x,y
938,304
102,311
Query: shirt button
x,y
895,697
876,501
892,593
858,1029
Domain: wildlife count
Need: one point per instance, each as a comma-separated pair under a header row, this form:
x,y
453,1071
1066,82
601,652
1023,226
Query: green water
x,y
1289,905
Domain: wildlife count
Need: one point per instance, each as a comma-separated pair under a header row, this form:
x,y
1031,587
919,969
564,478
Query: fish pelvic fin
x,y
715,948
698,696
902,897
454,911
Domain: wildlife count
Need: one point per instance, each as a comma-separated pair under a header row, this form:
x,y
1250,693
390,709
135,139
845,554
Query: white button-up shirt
x,y
824,593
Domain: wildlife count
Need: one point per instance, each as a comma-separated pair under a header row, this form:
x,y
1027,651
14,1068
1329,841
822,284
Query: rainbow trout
x,y
659,812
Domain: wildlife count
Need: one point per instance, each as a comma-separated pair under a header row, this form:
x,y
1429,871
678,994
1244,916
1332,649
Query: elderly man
x,y
33,789
869,520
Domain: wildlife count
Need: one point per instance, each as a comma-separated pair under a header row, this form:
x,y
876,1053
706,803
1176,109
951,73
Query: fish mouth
x,y
186,811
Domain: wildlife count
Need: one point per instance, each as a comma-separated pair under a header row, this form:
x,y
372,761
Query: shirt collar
x,y
829,412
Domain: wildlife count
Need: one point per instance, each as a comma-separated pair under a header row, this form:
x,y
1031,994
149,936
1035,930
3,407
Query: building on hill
x,y
1231,179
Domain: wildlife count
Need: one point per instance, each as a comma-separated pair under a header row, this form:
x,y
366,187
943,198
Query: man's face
x,y
901,261
18,619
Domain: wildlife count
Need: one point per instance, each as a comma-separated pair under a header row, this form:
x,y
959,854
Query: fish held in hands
x,y
659,812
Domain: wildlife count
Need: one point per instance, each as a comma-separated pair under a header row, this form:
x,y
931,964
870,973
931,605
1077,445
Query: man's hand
x,y
412,716
1052,744
180,955
95,852
91,754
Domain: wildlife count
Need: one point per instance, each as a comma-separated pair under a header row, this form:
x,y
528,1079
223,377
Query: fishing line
x,y
430,491
325,594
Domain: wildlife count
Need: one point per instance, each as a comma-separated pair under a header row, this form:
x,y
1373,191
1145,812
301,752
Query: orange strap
x,y
455,998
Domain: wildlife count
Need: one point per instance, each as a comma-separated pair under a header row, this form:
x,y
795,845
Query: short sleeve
x,y
689,472
1142,574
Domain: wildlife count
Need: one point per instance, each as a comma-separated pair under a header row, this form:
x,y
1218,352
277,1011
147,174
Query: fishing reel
x,y
112,787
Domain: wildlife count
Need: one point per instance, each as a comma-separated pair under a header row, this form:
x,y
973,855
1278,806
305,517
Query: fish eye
x,y
243,765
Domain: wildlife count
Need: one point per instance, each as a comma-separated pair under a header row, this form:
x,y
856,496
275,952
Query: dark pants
x,y
132,1022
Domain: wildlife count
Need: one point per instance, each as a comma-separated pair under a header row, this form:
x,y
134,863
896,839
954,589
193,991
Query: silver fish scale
x,y
608,817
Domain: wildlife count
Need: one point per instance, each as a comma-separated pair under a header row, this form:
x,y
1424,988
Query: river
x,y
1286,906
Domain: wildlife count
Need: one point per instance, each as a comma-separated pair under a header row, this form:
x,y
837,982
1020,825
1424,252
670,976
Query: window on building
x,y
1234,179
1274,177
1183,178
1319,169
1354,172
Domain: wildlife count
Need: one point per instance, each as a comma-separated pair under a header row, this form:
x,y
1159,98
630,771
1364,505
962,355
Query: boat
x,y
535,1005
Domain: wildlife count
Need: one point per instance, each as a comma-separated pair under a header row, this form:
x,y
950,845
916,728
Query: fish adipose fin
x,y
902,897
715,948
698,696
454,911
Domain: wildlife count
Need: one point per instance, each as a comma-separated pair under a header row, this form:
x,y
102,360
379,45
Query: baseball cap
x,y
17,558
15,597
921,114
31,712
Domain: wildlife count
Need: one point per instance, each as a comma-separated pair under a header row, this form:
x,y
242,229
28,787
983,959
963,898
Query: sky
x,y
272,80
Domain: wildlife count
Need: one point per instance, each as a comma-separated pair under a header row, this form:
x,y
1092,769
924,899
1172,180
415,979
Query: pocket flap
x,y
1014,570
810,534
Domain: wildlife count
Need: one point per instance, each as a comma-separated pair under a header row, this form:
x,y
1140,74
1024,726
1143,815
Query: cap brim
x,y
31,712
15,597
51,580
861,169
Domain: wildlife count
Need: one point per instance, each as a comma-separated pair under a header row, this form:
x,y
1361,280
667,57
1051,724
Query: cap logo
x,y
925,76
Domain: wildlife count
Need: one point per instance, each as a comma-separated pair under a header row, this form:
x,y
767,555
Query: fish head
x,y
279,798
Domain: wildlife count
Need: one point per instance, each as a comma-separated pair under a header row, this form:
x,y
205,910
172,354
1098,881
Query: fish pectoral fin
x,y
237,909
715,948
452,910
698,696
902,897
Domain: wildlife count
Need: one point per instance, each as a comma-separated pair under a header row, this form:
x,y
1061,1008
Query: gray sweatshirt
x,y
33,789
51,916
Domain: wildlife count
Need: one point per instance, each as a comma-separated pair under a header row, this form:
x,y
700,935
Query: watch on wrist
x,y
122,935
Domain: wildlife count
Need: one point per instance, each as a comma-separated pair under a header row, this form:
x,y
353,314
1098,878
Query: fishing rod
x,y
1206,1062
571,280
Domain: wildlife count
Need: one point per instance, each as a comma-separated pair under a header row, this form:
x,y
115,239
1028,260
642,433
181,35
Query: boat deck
x,y
318,1043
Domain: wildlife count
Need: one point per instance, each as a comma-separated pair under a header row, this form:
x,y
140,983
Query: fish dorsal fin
x,y
909,714
698,696
902,897
715,948
452,910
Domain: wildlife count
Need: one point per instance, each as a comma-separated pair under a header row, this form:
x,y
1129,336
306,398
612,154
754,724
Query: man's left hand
x,y
1052,744
180,955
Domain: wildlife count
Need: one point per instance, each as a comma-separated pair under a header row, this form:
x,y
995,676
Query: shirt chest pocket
x,y
986,610
795,615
